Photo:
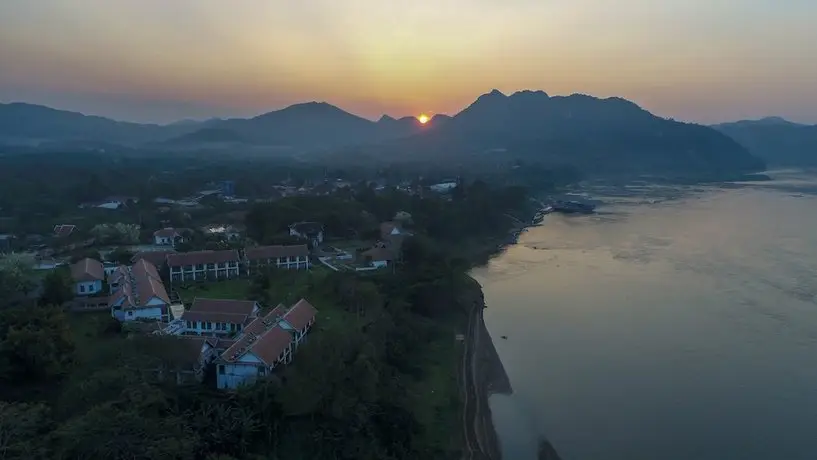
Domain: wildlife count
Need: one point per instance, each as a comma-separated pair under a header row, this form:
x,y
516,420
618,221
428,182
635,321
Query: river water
x,y
679,323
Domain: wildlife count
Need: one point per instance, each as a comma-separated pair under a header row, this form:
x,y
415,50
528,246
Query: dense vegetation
x,y
377,379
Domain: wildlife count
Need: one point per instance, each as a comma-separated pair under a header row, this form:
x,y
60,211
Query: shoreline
x,y
483,366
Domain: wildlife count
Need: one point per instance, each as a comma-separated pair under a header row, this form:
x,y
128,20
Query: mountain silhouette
x,y
778,141
612,135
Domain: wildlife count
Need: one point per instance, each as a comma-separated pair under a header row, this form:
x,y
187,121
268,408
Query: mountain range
x,y
779,142
612,135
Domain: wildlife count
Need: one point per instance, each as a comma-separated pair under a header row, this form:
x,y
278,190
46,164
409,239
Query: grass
x,y
224,289
90,331
435,398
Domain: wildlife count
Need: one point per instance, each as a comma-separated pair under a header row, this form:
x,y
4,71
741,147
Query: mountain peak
x,y
527,93
386,119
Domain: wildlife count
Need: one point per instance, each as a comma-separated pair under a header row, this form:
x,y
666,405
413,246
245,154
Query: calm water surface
x,y
677,324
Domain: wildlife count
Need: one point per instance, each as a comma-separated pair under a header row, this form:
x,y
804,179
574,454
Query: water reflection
x,y
680,326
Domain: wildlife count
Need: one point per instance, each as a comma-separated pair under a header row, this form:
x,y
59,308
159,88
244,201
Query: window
x,y
211,266
221,369
130,313
208,325
190,325
261,370
188,268
200,267
222,265
81,288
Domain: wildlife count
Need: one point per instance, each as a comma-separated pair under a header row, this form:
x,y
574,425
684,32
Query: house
x,y
312,232
64,230
266,343
167,237
285,257
137,292
218,317
203,265
378,257
88,275
157,258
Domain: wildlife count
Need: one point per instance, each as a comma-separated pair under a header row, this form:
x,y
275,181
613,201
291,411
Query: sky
x,y
162,60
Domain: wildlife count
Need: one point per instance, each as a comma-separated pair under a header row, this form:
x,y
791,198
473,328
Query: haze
x,y
160,60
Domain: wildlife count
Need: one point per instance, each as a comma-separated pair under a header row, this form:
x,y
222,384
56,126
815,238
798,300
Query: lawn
x,y
435,398
225,289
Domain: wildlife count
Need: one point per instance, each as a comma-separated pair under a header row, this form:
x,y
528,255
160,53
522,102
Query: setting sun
x,y
423,118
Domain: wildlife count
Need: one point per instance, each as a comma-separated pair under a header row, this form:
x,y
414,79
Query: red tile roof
x,y
215,317
386,229
272,252
240,307
300,314
157,258
87,270
379,254
269,346
202,257
166,233
138,285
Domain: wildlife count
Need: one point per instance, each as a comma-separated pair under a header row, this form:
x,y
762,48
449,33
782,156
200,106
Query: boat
x,y
573,207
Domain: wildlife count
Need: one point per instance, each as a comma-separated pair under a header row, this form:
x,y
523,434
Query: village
x,y
244,339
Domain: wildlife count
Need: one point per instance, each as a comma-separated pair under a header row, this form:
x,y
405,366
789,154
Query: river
x,y
678,323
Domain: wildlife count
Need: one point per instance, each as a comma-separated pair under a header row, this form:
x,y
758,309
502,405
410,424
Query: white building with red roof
x,y
166,237
203,265
291,257
88,275
265,344
137,292
219,317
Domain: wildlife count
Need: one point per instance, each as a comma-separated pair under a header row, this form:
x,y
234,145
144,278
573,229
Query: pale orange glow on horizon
x,y
371,57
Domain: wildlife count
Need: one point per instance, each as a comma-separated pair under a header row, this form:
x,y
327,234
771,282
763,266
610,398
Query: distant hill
x,y
604,135
27,122
206,136
776,140
310,125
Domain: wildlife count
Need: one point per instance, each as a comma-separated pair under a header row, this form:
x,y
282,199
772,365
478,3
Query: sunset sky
x,y
163,60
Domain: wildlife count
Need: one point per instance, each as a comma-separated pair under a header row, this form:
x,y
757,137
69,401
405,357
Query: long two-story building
x,y
265,344
204,265
292,257
219,317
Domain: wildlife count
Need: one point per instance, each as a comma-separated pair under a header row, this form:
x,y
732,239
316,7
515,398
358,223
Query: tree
x,y
21,428
120,255
16,276
35,344
57,288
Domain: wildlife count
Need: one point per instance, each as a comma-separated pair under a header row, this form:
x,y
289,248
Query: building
x,y
266,343
88,275
203,265
312,232
292,257
64,230
167,237
137,292
218,317
378,257
157,258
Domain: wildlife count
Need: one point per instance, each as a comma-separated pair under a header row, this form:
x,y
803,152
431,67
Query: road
x,y
475,428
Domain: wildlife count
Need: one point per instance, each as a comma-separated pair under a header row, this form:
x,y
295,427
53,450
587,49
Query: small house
x,y
167,237
88,275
